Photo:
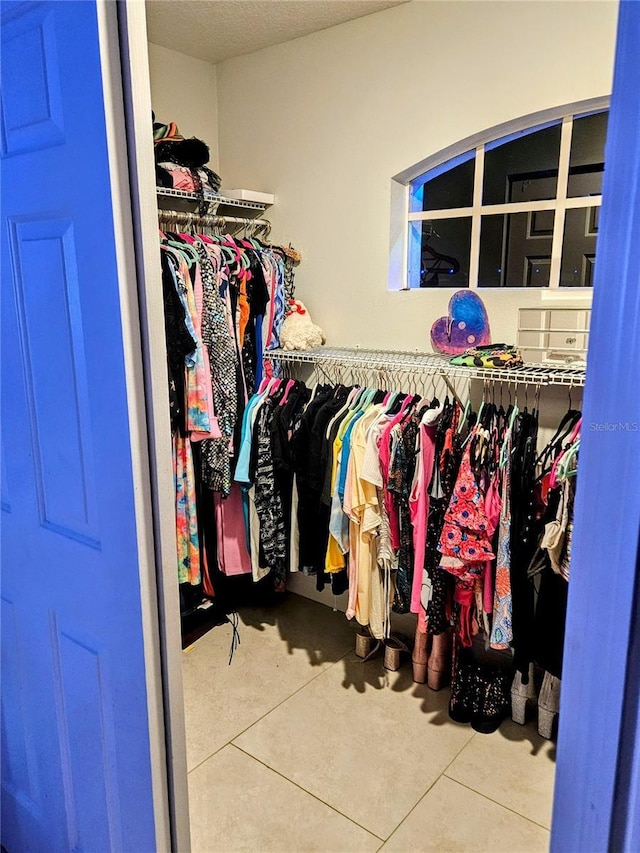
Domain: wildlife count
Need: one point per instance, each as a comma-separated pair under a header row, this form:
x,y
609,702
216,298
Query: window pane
x,y
579,247
444,253
515,249
453,188
586,162
524,169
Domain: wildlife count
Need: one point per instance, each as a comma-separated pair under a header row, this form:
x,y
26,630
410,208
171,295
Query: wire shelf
x,y
430,363
213,199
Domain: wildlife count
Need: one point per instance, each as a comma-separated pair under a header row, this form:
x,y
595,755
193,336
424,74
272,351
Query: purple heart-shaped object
x,y
465,326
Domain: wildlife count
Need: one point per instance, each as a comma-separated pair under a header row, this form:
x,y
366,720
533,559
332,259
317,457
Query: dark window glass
x,y
453,188
444,253
586,161
515,249
579,247
524,169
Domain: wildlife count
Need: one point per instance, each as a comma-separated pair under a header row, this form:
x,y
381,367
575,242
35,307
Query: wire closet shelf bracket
x,y
429,364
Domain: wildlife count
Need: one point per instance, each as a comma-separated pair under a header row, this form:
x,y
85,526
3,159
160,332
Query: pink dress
x,y
492,507
233,556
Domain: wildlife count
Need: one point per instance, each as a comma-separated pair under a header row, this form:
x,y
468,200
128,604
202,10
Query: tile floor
x,y
299,746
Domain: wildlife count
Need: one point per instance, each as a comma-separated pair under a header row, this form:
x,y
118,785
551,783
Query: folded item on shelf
x,y
178,177
171,146
490,356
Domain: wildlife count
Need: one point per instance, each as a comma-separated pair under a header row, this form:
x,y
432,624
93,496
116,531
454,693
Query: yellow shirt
x,y
334,558
362,494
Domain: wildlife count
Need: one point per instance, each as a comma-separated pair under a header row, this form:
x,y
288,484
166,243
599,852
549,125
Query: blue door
x,y
76,771
597,795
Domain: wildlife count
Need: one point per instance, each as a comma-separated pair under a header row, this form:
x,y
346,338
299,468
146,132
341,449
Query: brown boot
x,y
420,656
439,667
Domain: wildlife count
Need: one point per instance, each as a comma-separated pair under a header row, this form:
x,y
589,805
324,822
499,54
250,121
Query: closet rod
x,y
431,364
180,217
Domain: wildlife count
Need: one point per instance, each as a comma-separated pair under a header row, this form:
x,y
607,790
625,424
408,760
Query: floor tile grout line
x,y
498,803
286,699
473,736
437,779
204,760
266,713
301,788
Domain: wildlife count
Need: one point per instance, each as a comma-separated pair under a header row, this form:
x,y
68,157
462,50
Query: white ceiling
x,y
215,30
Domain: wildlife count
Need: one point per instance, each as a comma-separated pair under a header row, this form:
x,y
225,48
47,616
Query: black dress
x,y
445,471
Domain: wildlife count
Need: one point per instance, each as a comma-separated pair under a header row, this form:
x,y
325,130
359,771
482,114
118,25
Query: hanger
x,y
355,403
187,250
288,388
406,405
561,471
481,408
367,399
345,408
241,256
439,265
464,416
567,424
505,442
263,385
389,402
515,411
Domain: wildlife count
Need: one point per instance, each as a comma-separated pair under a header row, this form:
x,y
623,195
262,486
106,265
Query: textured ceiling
x,y
215,30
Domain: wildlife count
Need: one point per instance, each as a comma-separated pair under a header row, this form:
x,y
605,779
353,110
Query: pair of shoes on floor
x,y
480,694
548,700
396,648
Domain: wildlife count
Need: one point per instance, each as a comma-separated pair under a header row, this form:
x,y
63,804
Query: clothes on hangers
x,y
550,567
353,459
224,306
265,471
436,593
411,506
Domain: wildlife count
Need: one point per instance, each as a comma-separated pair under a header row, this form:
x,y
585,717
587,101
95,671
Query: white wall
x,y
326,120
184,90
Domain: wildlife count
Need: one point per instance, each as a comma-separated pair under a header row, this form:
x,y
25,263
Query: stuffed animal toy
x,y
298,331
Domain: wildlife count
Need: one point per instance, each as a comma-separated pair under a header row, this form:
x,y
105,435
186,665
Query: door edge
x,y
127,101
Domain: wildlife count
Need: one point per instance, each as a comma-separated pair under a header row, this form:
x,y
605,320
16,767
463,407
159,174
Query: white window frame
x,y
402,218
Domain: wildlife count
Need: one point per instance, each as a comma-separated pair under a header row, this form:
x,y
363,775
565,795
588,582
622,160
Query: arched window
x,y
516,206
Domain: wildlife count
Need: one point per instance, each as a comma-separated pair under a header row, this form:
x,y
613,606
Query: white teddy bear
x,y
298,331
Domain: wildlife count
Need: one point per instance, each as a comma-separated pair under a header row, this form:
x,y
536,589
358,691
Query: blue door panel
x,y
45,274
31,49
87,740
76,760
